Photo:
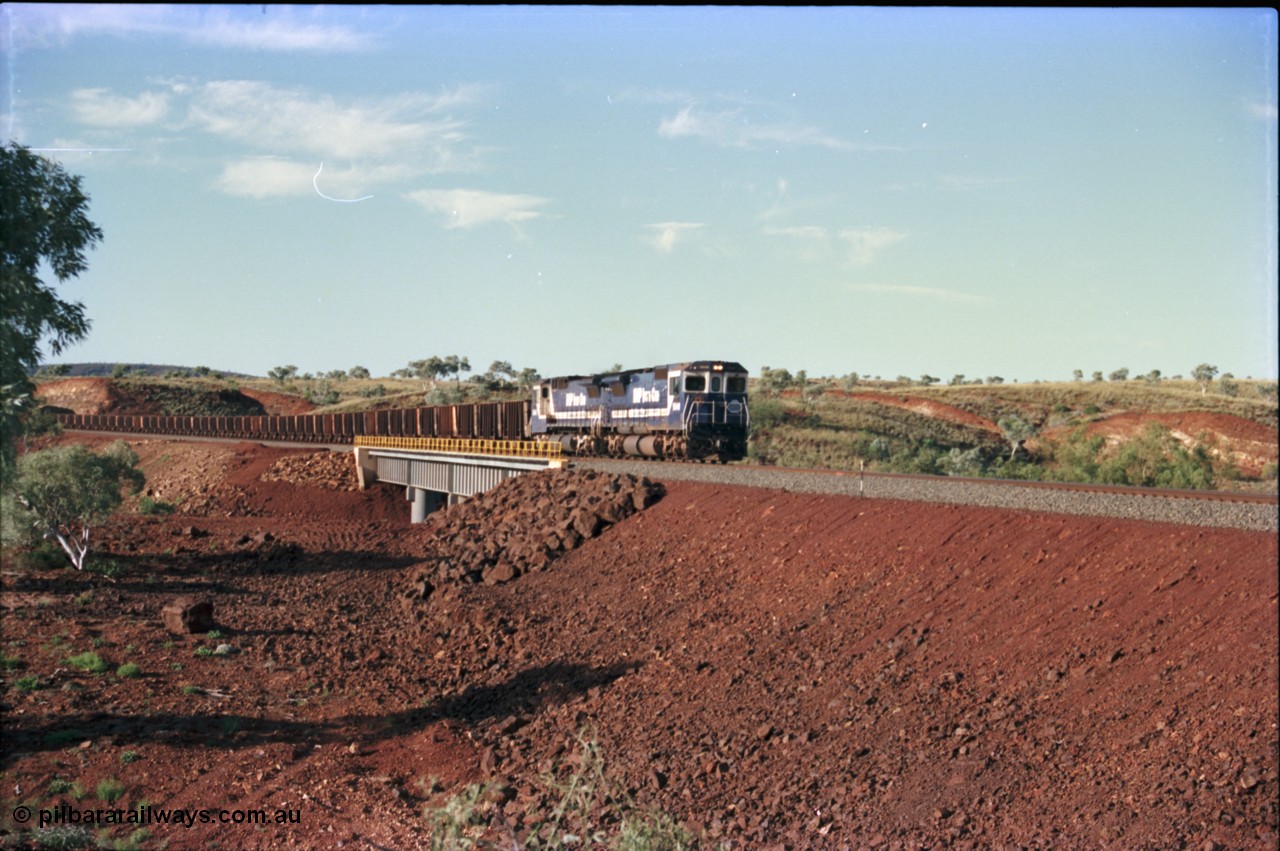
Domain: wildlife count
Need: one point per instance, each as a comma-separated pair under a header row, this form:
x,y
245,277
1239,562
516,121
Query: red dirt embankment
x,y
773,668
1249,445
279,404
85,396
924,407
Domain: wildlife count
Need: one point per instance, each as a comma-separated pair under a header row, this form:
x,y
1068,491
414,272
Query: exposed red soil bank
x,y
1249,445
772,668
930,408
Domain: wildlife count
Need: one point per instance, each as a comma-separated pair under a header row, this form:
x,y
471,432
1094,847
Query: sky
x,y
881,191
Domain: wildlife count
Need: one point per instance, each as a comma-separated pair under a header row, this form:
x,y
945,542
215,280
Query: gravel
x,y
1181,510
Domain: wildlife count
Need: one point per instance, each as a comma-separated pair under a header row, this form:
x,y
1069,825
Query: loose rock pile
x,y
329,470
526,523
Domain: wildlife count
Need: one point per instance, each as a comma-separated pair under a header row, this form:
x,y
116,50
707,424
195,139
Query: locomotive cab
x,y
713,401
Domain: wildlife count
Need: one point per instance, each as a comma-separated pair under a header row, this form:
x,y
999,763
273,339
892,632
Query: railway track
x,y
1201,508
1212,508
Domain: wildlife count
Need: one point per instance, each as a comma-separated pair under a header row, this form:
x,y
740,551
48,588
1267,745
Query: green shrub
x,y
148,505
27,684
87,661
65,836
128,671
106,567
61,493
110,790
766,413
37,556
1158,459
130,756
58,786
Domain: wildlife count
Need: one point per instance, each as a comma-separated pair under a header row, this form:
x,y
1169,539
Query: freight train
x,y
695,410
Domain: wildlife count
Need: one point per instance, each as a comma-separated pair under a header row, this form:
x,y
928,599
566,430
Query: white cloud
x,y
99,108
273,28
920,292
265,178
734,129
272,119
667,234
282,133
866,243
268,32
466,208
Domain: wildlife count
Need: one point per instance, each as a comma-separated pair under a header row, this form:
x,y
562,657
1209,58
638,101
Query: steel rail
x,y
1123,490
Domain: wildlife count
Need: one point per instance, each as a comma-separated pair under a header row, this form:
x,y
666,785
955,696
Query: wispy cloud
x,y
665,235
271,119
735,129
811,243
266,28
284,134
919,292
467,208
866,243
265,178
100,108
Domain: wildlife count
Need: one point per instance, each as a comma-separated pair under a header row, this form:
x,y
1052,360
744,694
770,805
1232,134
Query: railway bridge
x,y
439,471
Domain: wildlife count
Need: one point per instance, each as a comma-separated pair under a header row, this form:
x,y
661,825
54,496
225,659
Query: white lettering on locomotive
x,y
575,399
640,396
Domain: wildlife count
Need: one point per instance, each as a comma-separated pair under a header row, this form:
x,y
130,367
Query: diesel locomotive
x,y
695,410
692,410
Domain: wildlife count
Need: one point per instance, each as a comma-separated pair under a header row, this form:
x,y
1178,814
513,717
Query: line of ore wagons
x,y
476,420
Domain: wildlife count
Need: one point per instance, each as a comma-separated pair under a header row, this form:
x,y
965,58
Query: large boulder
x,y
187,615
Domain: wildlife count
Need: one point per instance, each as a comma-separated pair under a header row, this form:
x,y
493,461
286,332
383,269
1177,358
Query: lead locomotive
x,y
692,410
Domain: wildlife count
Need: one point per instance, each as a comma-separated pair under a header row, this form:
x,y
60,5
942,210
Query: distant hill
x,y
106,370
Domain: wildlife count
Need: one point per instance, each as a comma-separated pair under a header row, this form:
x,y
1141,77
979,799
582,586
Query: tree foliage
x,y
43,223
1016,431
62,493
1203,375
774,380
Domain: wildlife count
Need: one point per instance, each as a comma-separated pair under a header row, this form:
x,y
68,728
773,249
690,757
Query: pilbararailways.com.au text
x,y
149,815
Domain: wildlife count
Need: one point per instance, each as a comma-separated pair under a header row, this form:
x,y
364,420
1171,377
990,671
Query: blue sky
x,y
887,191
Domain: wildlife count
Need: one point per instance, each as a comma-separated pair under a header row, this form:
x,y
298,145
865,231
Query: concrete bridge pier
x,y
425,502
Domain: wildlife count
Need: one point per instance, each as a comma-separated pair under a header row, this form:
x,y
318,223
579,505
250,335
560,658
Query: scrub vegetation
x,y
1054,431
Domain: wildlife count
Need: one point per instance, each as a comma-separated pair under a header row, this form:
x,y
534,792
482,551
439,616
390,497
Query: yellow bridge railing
x,y
465,446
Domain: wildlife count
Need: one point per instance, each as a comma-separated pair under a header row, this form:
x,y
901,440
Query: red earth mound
x,y
86,396
773,669
1249,445
925,407
279,404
